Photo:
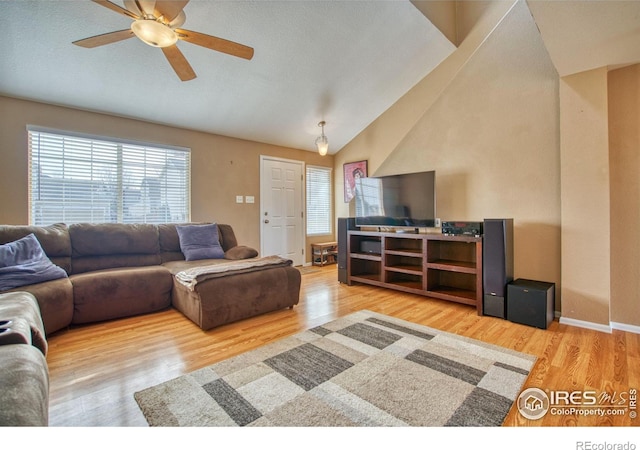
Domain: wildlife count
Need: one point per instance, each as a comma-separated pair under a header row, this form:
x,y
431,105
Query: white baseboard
x,y
585,324
625,327
601,327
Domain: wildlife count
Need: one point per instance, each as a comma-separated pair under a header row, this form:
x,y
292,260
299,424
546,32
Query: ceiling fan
x,y
156,22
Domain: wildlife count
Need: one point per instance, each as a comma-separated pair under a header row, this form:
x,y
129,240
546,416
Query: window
x,y
318,200
76,178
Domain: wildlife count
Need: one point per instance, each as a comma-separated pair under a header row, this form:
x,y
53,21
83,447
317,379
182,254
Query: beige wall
x,y
600,112
585,197
490,129
222,167
380,139
624,160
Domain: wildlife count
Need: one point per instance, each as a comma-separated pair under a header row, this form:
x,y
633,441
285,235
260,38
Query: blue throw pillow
x,y
24,262
200,242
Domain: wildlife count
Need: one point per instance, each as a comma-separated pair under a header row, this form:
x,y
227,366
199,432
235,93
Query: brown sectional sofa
x,y
120,270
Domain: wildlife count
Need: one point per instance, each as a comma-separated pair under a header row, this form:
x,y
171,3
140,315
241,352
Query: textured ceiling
x,y
344,62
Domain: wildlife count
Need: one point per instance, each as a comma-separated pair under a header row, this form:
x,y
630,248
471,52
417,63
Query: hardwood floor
x,y
95,369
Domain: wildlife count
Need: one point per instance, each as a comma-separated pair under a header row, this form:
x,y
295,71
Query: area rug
x,y
364,369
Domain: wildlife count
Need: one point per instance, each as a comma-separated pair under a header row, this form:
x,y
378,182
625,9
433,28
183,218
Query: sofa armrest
x,y
22,311
24,378
240,252
14,330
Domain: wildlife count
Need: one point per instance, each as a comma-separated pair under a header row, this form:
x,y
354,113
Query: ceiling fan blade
x,y
179,63
169,8
215,43
116,8
104,39
132,6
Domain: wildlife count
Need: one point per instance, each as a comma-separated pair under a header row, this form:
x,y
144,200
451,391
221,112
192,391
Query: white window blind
x,y
318,200
77,178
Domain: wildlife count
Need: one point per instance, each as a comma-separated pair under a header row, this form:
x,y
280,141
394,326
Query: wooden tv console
x,y
433,265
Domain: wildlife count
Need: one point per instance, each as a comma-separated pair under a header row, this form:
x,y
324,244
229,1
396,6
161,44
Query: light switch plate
x,y
249,199
239,199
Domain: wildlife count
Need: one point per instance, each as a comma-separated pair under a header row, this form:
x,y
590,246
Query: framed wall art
x,y
353,171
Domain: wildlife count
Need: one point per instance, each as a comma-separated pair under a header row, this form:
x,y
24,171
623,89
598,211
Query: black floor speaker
x,y
531,302
344,224
497,265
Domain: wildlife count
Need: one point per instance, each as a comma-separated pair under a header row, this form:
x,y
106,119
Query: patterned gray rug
x,y
364,369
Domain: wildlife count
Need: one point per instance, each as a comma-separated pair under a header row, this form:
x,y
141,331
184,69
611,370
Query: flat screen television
x,y
406,200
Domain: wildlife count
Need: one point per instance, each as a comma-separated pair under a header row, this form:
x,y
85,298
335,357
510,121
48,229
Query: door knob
x,y
266,220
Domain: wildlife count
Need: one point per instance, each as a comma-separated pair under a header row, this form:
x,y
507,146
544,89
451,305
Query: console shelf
x,y
404,269
453,266
432,265
370,257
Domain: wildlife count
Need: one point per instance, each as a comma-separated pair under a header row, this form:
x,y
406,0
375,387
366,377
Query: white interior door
x,y
281,213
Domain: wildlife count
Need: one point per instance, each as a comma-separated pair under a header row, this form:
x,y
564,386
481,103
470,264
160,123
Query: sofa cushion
x,y
200,242
113,245
24,262
54,239
114,293
55,299
227,236
113,239
241,252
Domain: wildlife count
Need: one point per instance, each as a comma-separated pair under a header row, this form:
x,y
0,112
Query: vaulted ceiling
x,y
583,35
344,62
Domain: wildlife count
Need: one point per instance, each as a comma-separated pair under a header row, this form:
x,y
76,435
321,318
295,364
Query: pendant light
x,y
322,142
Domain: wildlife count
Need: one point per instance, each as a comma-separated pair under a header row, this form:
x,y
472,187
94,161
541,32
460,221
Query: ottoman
x,y
237,295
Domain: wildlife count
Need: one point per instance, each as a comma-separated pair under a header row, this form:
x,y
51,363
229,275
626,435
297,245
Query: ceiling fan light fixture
x,y
154,33
322,143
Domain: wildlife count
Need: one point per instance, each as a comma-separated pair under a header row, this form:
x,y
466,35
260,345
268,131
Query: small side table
x,y
324,253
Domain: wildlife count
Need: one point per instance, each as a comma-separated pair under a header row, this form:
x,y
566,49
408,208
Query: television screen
x,y
406,200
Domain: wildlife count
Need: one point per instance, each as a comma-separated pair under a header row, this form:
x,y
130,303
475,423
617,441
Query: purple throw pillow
x,y
24,262
200,242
